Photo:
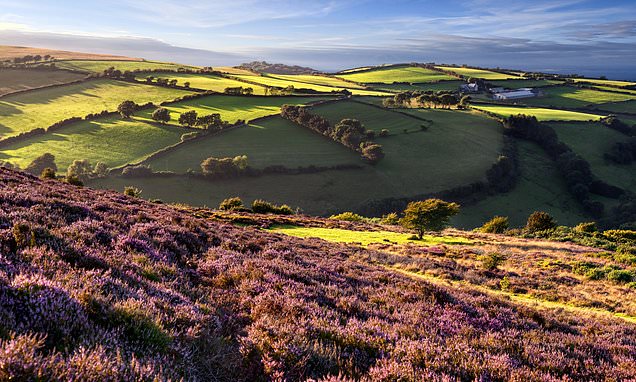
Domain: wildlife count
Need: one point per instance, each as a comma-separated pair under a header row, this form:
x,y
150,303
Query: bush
x,y
491,261
391,219
347,216
48,173
232,204
40,163
620,234
161,115
587,227
73,180
136,171
540,221
262,207
132,191
620,276
430,214
498,224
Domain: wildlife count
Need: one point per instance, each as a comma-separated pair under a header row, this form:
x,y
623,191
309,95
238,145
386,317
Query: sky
x,y
567,36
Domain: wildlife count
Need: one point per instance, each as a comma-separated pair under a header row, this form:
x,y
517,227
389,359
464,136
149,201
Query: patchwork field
x,y
431,86
275,80
112,140
390,75
203,81
592,141
628,107
98,66
570,97
233,108
542,114
12,80
540,188
317,80
41,108
516,84
603,82
477,73
274,141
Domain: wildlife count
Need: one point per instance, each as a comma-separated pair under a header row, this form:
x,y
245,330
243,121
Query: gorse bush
x,y
492,261
498,224
262,207
48,173
132,191
348,216
232,204
587,227
540,221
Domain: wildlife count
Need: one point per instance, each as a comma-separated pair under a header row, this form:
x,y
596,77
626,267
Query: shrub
x,y
391,219
620,276
82,169
136,171
132,191
540,221
126,108
73,180
100,170
430,214
348,216
492,261
232,204
161,115
620,234
587,227
262,207
48,173
498,224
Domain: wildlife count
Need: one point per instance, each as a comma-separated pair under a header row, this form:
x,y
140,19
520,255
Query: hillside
x,y
95,285
10,52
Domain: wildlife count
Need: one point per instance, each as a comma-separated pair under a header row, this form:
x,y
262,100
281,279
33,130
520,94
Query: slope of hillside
x,y
95,285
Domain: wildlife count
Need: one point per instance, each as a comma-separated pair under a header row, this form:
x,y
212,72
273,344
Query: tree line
x,y
348,132
430,99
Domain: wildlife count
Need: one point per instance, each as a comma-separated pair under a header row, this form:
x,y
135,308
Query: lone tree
x,y
126,108
161,115
189,118
373,153
428,215
46,160
540,221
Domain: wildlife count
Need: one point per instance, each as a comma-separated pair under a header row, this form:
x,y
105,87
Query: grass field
x,y
232,70
603,82
591,141
110,140
365,238
98,66
619,107
271,80
457,147
542,114
540,188
431,86
516,84
390,75
203,81
477,73
41,108
611,89
274,141
12,80
317,80
570,97
233,108
8,52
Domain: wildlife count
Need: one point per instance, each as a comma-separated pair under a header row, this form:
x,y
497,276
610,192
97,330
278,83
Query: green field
x,y
274,141
542,114
591,141
271,80
365,238
477,73
317,80
110,140
603,82
457,147
232,108
203,81
619,107
431,86
98,66
611,89
12,80
390,75
540,188
570,97
41,108
516,84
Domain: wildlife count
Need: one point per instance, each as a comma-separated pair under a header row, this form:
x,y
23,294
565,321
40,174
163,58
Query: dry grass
x,y
8,52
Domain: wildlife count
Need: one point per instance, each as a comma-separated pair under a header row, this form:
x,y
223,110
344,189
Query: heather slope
x,y
95,285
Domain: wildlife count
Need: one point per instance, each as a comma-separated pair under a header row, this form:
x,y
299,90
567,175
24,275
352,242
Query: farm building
x,y
514,94
469,88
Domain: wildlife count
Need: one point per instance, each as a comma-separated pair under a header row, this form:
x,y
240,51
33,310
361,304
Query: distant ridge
x,y
8,52
265,67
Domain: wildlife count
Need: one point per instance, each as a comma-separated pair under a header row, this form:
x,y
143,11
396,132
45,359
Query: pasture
x,y
274,141
202,81
277,81
540,188
431,86
393,74
477,73
591,141
318,80
628,107
12,80
232,108
98,66
542,114
596,81
111,140
571,97
42,108
516,84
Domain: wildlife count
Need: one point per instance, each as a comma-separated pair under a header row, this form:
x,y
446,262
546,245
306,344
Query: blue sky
x,y
564,35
